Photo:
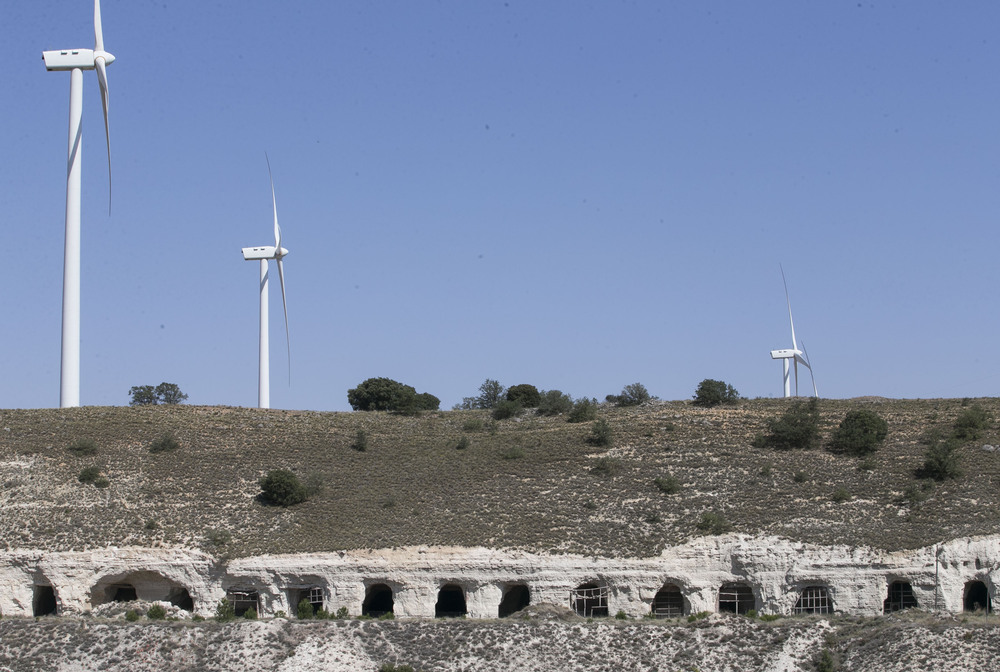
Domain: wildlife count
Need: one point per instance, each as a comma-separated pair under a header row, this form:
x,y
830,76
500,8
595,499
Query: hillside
x,y
530,482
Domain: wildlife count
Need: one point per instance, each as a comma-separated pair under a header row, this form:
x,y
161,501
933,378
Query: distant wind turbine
x,y
794,354
76,61
265,254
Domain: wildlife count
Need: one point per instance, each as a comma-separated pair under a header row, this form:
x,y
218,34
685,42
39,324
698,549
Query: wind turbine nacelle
x,y
784,354
70,59
253,253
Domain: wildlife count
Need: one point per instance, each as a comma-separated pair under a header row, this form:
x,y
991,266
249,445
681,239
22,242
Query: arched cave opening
x,y
378,600
243,600
589,600
977,597
668,602
736,598
515,598
44,601
900,597
181,598
120,592
813,600
450,602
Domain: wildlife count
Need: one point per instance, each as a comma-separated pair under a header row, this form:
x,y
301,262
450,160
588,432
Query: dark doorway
x,y
590,600
900,597
44,602
736,598
378,600
243,601
977,597
181,598
451,602
313,595
514,599
668,602
120,592
813,600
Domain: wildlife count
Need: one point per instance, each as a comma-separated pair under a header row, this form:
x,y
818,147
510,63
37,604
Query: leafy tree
x,y
385,394
600,433
169,393
164,393
798,427
506,409
283,488
224,611
305,609
142,395
860,433
554,402
970,423
584,410
714,393
491,392
941,460
524,394
632,395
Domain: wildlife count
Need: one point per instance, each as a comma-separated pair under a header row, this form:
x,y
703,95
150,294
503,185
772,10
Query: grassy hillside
x,y
529,482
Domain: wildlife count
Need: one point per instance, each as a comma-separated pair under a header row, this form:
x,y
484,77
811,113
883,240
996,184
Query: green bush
x,y
841,494
224,611
798,427
389,667
385,394
463,443
554,402
667,484
304,610
600,433
713,523
102,482
506,409
526,395
714,393
282,487
360,441
89,474
606,466
491,393
584,410
941,460
970,423
621,615
250,614
632,395
166,442
83,447
131,615
156,613
513,453
860,433
473,425
341,614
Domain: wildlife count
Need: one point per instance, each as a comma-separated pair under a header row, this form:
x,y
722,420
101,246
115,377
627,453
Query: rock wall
x,y
856,580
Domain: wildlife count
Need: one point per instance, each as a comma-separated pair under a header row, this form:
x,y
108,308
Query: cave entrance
x,y
813,600
312,595
120,592
668,602
515,598
736,598
378,600
450,602
900,597
243,600
589,600
44,601
181,598
977,597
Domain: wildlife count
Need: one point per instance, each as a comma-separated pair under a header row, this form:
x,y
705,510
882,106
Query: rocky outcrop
x,y
773,571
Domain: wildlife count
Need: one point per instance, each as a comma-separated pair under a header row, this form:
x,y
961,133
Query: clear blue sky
x,y
577,195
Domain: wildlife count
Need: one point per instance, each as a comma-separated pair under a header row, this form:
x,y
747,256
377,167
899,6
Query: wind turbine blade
x,y
284,305
809,366
789,304
102,79
98,29
274,202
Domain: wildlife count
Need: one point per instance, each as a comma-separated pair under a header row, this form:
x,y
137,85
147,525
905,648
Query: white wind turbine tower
x,y
265,254
76,61
794,354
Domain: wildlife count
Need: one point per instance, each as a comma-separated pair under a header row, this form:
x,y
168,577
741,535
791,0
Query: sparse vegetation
x,y
554,402
584,410
89,474
164,443
506,409
463,443
632,395
385,394
715,393
600,433
83,447
606,466
156,612
668,484
798,427
941,460
841,494
283,488
360,442
713,523
970,423
860,433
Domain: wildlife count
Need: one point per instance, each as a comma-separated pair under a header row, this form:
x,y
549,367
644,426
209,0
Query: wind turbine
x,y
265,254
794,354
76,61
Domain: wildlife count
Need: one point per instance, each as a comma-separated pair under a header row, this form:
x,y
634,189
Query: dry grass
x,y
527,482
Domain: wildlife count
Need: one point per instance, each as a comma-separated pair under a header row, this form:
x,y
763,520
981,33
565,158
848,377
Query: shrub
x,y
427,402
473,425
798,427
305,609
970,423
713,523
841,494
156,613
83,447
667,484
600,433
387,616
506,409
554,402
606,466
462,444
385,394
524,394
224,611
131,615
800,477
342,613
283,488
102,482
389,667
621,615
218,537
584,410
250,614
322,614
632,395
513,453
714,393
89,474
360,441
860,433
165,443
491,393
941,460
